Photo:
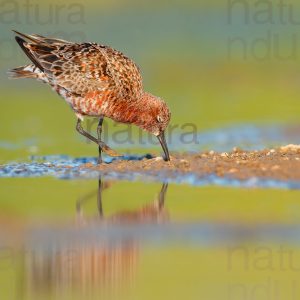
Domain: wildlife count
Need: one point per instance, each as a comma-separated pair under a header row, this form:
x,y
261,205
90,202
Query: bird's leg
x,y
162,195
99,198
80,202
101,144
99,132
85,133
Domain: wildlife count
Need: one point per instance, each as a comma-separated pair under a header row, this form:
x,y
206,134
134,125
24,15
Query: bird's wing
x,y
83,68
80,69
124,71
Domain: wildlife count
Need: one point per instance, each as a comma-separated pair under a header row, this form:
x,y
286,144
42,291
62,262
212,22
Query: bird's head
x,y
155,119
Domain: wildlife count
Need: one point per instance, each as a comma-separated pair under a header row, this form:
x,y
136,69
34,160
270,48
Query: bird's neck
x,y
138,112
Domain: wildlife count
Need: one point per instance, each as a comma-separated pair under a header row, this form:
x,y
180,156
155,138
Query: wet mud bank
x,y
275,168
282,164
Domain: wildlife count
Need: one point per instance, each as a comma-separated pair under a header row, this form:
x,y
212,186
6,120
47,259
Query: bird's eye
x,y
159,119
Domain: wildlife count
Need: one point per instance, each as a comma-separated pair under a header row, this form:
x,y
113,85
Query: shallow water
x,y
69,233
74,239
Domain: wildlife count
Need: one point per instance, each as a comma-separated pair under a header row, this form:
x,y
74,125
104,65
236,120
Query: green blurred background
x,y
215,62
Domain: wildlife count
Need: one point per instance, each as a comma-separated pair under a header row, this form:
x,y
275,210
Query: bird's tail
x,y
39,50
28,71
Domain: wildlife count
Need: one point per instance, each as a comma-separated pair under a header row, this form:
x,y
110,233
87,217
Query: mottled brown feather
x,y
82,68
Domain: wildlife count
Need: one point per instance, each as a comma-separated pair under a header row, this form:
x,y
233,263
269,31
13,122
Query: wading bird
x,y
96,81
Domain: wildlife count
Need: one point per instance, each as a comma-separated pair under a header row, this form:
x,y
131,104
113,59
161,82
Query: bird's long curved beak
x,y
162,140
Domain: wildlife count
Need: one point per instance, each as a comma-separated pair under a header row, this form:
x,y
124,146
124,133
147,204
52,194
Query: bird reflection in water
x,y
94,267
150,213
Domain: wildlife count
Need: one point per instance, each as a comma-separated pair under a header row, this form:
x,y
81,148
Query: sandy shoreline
x,y
278,167
279,163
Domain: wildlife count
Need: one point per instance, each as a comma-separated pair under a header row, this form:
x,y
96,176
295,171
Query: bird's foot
x,y
108,150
